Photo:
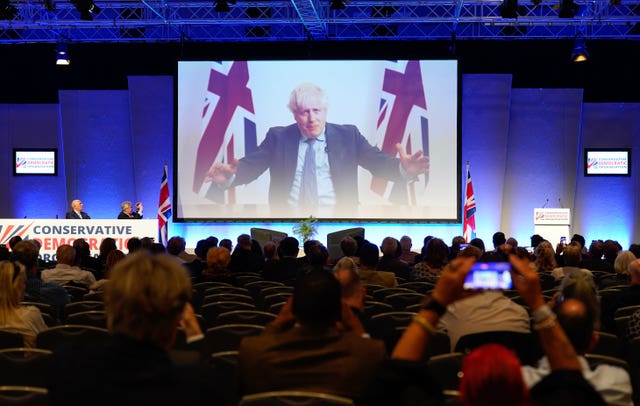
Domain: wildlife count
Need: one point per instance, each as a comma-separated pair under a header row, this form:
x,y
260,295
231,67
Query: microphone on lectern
x,y
545,203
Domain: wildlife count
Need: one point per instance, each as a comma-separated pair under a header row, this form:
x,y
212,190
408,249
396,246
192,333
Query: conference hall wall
x,y
524,147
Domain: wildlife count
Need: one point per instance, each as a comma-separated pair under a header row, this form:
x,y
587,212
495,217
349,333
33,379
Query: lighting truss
x,y
298,20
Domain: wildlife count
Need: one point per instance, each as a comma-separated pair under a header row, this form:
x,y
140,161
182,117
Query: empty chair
x,y
294,398
419,287
370,288
384,326
447,370
245,317
626,311
225,289
9,339
256,286
243,280
227,297
24,366
275,298
400,301
372,308
210,311
271,291
227,337
82,306
203,286
68,334
226,363
23,395
380,294
95,318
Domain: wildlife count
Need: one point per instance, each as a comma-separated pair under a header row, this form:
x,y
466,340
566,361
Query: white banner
x,y
552,216
51,233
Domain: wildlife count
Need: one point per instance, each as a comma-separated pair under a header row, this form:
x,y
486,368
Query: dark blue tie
x,y
309,190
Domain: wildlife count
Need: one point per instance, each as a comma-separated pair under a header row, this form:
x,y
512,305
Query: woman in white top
x,y
25,320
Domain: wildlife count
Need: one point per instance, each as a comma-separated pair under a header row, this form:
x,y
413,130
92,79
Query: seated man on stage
x,y
127,211
76,211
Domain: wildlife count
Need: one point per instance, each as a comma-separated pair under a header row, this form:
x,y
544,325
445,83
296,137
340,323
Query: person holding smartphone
x,y
127,212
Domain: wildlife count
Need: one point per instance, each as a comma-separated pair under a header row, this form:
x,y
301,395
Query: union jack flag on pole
x,y
469,225
164,208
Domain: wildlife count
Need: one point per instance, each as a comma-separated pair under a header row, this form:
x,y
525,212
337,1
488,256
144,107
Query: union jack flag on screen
x,y
228,122
401,120
164,208
469,225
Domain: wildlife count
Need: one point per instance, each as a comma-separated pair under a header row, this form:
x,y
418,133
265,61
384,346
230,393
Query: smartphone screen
x,y
489,276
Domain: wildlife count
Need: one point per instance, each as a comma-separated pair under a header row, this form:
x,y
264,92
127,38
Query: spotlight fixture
x,y
338,4
568,9
580,53
222,6
87,9
7,10
62,56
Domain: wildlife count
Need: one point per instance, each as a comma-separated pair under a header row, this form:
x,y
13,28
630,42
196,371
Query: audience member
x,y
488,368
106,246
349,248
134,244
477,242
287,267
545,260
177,246
76,212
611,249
24,320
571,258
146,300
87,262
65,272
146,243
498,239
623,298
244,258
435,256
353,293
5,254
320,356
37,290
13,241
578,321
157,248
594,260
390,261
635,249
580,239
127,212
203,246
217,269
112,259
226,243
513,242
407,255
369,275
458,243
535,240
622,262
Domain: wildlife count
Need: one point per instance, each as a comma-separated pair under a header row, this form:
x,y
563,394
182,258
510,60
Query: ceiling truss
x,y
299,20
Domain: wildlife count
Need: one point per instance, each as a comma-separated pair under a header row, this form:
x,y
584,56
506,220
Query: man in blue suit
x,y
336,152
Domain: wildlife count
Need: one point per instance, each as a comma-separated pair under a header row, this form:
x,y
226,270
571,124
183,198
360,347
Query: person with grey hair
x,y
127,212
312,162
623,298
390,261
572,258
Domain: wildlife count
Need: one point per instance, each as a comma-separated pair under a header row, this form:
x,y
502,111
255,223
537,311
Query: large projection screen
x,y
225,111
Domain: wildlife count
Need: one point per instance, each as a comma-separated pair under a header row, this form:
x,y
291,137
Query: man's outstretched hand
x,y
414,164
220,172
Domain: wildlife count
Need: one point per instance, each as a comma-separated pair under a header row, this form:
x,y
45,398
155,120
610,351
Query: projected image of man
x,y
313,162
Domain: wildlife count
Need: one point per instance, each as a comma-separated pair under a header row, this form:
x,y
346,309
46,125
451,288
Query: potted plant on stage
x,y
306,228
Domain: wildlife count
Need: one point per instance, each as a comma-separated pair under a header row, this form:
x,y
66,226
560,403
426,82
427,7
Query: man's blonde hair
x,y
145,298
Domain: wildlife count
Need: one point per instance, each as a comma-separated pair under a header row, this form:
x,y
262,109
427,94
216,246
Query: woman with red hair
x,y
492,376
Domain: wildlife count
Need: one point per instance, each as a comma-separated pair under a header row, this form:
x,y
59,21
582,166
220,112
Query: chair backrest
x,y
95,297
255,287
43,307
82,306
371,288
380,294
626,311
245,317
447,369
294,398
24,366
95,318
418,287
276,307
621,326
76,293
23,395
609,345
371,308
270,300
227,337
243,280
69,334
227,297
10,339
226,363
211,311
226,289
400,301
384,326
595,360
525,345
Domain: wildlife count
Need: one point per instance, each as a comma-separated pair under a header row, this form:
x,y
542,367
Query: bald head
x,y
578,323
